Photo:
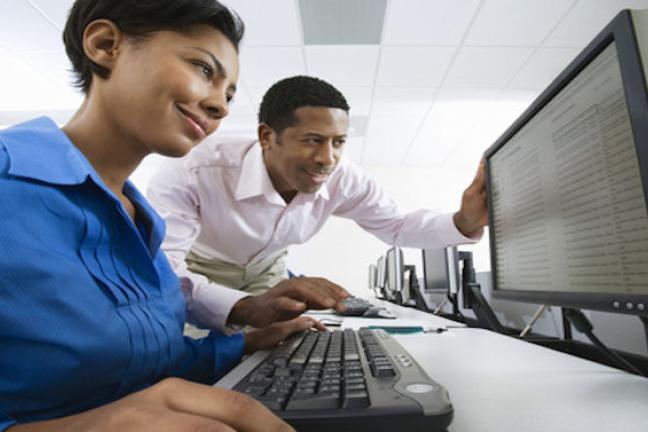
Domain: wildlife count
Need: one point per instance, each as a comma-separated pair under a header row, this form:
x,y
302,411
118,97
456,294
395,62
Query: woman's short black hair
x,y
284,97
137,18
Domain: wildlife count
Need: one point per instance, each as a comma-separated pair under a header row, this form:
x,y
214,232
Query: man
x,y
233,208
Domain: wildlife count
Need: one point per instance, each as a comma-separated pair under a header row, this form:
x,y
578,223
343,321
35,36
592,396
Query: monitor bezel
x,y
621,32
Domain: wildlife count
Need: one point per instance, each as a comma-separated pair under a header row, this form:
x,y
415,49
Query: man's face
x,y
301,158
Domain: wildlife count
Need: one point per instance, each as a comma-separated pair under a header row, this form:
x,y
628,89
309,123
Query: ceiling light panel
x,y
425,22
342,22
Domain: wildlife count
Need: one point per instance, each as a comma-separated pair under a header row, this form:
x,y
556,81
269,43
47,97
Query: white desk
x,y
501,384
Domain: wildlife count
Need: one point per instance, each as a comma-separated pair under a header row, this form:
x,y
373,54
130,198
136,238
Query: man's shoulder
x,y
217,152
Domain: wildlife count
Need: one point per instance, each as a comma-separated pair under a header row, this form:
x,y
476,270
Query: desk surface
x,y
501,384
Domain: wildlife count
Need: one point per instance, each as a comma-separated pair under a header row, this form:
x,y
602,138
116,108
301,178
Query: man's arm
x,y
173,193
368,205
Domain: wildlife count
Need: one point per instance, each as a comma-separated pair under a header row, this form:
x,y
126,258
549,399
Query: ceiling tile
x,y
588,18
268,23
388,139
515,22
22,88
403,101
453,114
353,149
263,66
545,65
348,65
486,67
56,10
425,22
54,65
15,17
414,66
358,98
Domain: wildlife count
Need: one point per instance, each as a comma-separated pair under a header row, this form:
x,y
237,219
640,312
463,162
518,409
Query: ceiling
x,y
435,86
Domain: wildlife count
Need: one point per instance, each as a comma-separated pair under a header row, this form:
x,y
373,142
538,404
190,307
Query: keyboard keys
x,y
318,371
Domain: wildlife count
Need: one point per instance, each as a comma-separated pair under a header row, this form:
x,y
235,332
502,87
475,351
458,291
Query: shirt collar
x,y
39,150
255,180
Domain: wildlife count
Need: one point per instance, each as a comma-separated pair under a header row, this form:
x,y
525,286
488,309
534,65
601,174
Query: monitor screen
x,y
440,270
567,188
394,270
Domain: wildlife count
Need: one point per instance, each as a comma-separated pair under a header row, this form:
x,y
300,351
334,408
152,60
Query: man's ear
x,y
266,136
102,40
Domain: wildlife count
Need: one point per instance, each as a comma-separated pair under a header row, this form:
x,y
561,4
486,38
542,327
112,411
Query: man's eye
x,y
339,143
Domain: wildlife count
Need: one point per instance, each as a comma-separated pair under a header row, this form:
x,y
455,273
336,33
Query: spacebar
x,y
325,401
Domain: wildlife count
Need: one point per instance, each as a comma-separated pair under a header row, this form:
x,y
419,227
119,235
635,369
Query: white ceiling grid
x,y
448,77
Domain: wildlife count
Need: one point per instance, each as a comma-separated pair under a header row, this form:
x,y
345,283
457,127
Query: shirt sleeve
x,y
5,422
368,205
173,193
209,358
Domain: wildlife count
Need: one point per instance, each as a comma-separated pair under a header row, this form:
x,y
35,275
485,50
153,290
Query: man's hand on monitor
x,y
472,217
287,300
172,405
269,337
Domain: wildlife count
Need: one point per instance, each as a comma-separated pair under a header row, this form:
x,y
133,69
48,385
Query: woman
x,y
91,314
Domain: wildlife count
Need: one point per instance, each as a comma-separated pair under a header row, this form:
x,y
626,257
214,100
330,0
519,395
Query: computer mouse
x,y
378,312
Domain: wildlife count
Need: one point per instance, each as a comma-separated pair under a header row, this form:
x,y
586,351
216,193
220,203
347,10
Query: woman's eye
x,y
205,69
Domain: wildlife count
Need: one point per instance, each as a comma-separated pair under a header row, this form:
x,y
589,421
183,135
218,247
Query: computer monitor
x,y
440,270
394,273
380,273
372,277
568,181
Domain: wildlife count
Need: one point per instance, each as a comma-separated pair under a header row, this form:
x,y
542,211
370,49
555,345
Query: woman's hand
x,y
172,405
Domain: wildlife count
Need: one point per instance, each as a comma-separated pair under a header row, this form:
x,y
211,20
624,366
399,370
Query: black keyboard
x,y
346,381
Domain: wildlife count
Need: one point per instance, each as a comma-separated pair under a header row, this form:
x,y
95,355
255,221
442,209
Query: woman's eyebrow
x,y
220,69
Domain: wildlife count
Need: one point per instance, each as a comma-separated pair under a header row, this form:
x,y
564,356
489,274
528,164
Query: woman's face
x,y
169,91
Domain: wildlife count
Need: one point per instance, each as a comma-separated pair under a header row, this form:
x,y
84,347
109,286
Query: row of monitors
x,y
567,186
440,271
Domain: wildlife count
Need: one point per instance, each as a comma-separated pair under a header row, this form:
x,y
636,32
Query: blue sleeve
x,y
5,422
211,357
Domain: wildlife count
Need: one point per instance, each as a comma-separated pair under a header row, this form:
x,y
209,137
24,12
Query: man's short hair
x,y
139,18
284,97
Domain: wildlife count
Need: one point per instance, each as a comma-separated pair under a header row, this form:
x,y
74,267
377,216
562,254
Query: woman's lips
x,y
197,126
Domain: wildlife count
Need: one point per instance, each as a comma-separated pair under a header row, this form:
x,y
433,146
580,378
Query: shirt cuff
x,y
228,352
453,231
6,422
210,305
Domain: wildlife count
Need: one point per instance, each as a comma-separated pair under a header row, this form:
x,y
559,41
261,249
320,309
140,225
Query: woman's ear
x,y
102,40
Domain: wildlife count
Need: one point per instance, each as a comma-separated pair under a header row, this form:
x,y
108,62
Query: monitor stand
x,y
473,297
